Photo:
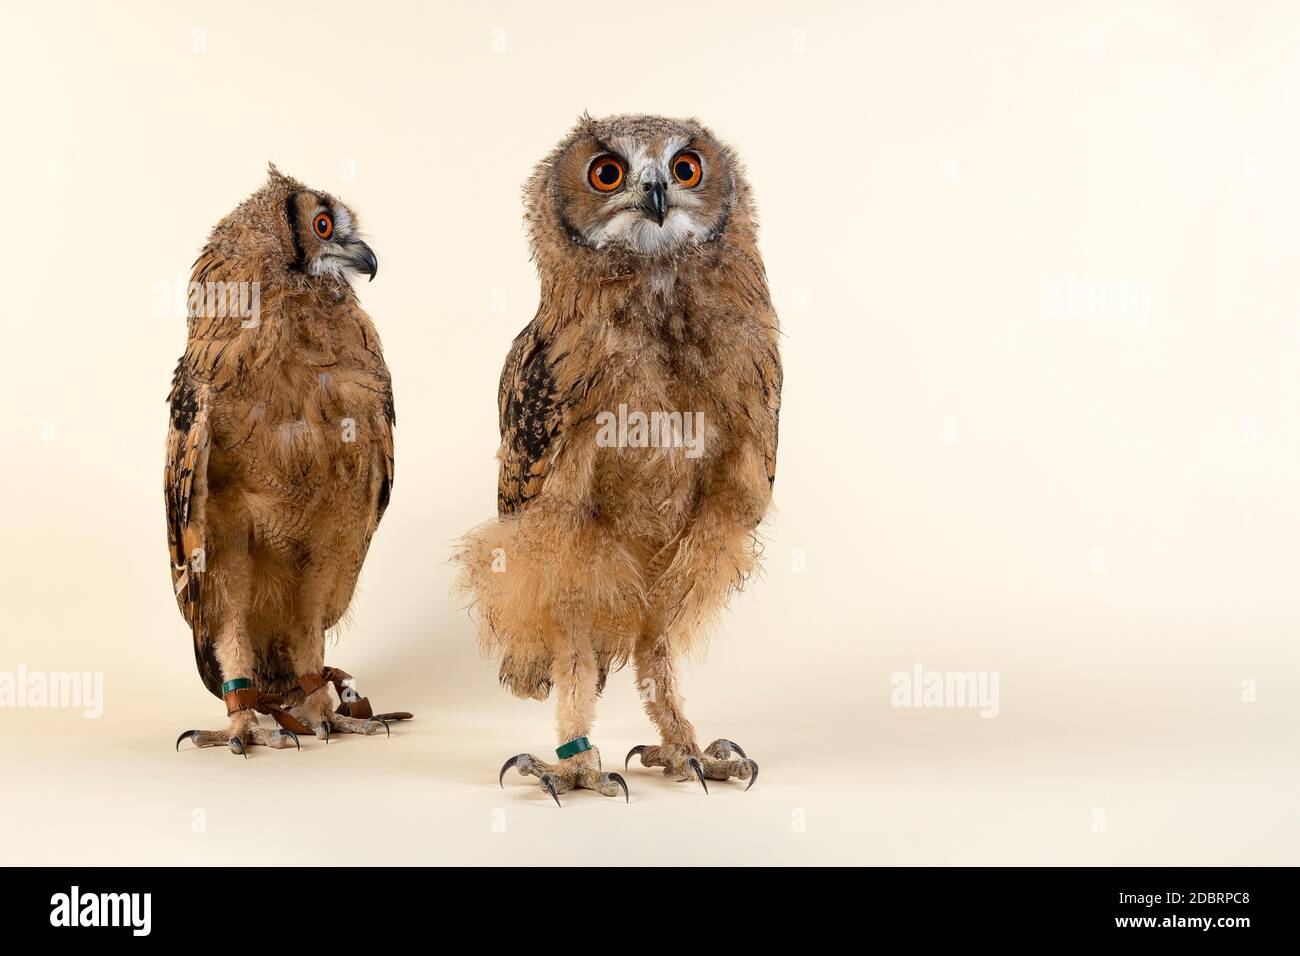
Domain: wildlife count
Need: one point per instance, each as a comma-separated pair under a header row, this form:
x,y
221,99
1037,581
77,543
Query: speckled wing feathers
x,y
184,492
385,490
532,413
213,357
770,377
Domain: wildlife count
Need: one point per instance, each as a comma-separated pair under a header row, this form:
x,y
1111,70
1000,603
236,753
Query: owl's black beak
x,y
655,202
362,258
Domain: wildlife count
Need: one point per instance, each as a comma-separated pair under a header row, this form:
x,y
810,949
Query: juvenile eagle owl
x,y
638,418
279,462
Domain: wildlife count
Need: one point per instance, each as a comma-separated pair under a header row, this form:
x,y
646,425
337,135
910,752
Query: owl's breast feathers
x,y
709,344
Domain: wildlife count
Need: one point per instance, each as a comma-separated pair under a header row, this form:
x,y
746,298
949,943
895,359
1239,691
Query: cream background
x,y
952,455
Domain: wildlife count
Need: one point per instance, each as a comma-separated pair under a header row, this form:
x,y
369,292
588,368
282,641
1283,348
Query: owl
x,y
638,421
279,463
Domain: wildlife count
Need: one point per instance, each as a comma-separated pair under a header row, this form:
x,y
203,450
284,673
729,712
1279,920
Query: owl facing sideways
x,y
279,463
638,419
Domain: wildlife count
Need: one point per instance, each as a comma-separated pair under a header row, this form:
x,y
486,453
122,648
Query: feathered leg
x,y
693,575
317,709
576,678
307,654
235,654
678,753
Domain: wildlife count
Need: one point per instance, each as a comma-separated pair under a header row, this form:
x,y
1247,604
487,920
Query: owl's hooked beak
x,y
655,202
361,258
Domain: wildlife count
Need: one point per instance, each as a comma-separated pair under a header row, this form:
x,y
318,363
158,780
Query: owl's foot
x,y
573,773
333,723
244,732
715,763
326,722
352,716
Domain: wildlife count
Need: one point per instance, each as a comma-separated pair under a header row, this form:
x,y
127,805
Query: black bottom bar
x,y
1172,904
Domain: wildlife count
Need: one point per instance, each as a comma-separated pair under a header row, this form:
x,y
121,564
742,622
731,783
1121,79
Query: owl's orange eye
x,y
687,169
606,173
323,225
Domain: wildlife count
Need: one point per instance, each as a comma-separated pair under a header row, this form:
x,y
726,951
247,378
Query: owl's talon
x,y
722,748
618,779
237,746
698,769
753,772
285,732
191,734
638,749
548,782
512,762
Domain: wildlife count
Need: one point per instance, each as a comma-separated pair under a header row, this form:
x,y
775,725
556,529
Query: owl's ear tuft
x,y
277,181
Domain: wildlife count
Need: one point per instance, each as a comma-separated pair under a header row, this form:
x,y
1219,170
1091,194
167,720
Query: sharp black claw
x,y
618,779
753,773
732,745
694,764
632,753
388,730
326,725
190,734
512,762
237,745
292,736
549,783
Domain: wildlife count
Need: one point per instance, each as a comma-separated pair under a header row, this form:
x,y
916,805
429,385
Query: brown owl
x,y
279,463
638,416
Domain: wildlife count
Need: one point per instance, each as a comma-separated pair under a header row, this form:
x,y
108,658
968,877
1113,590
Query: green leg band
x,y
239,683
572,748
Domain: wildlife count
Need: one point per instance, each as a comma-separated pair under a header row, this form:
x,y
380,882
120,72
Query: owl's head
x,y
290,228
636,184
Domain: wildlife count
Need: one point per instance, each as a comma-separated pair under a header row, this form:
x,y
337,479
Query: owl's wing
x,y
384,475
769,378
185,489
215,353
532,414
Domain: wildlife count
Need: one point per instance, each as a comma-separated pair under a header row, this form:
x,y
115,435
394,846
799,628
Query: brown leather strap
x,y
243,699
248,698
285,719
310,683
359,708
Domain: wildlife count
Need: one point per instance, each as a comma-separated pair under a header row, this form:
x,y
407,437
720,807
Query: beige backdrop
x,y
1036,271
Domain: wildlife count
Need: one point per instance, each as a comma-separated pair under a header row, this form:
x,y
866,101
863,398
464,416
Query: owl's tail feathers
x,y
538,581
187,582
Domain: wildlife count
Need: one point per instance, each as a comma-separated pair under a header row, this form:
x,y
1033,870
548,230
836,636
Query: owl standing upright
x,y
638,417
279,463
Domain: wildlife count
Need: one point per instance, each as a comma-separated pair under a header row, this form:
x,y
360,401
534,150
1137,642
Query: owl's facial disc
x,y
326,241
647,196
